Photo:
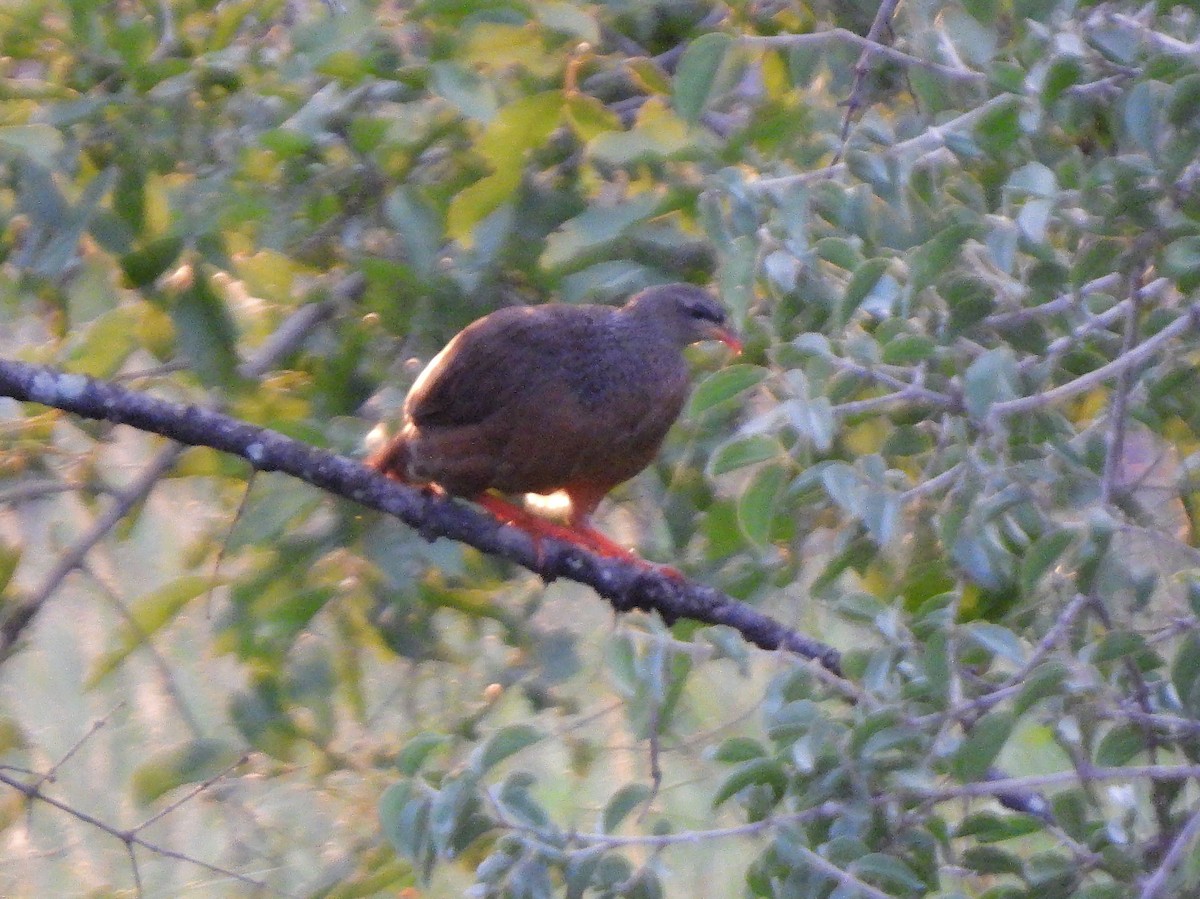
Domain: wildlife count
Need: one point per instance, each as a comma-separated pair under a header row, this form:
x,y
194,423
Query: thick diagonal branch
x,y
624,585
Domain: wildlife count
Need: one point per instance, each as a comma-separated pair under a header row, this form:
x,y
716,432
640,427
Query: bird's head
x,y
685,313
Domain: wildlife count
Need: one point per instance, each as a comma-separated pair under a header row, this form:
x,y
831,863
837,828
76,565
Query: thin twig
x,y
49,776
1084,383
22,613
1058,779
34,792
883,18
868,45
164,669
845,880
1118,413
191,794
932,139
1154,884
1163,42
24,493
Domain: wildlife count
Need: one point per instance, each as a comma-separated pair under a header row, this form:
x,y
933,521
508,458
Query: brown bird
x,y
535,399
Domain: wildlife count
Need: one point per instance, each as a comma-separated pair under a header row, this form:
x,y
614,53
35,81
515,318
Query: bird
x,y
553,397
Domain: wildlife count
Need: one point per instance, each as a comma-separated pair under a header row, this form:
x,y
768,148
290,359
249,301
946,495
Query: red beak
x,y
728,338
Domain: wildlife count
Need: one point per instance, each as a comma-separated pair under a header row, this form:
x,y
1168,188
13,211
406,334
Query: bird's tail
x,y
391,459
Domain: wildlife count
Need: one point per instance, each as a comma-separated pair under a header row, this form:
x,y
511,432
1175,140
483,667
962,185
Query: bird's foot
x,y
602,546
539,529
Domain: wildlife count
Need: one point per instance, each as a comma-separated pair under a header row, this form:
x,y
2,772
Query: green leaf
x,y
473,95
1120,745
722,386
988,827
594,229
930,260
415,752
978,751
473,204
1185,675
10,556
147,616
756,505
1181,261
624,801
404,816
696,74
990,860
507,741
1118,645
515,130
908,349
739,749
191,762
862,282
1183,109
1043,681
1064,72
143,266
287,142
1040,558
997,640
990,379
970,300
418,226
765,771
569,19
742,451
1141,117
38,142
999,128
888,872
206,334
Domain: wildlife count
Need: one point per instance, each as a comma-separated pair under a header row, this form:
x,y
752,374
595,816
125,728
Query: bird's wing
x,y
492,365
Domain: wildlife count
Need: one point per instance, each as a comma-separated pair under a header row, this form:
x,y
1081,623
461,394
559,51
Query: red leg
x,y
583,503
579,532
539,528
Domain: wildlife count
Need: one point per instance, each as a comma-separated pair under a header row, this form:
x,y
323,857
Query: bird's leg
x,y
583,504
539,528
578,533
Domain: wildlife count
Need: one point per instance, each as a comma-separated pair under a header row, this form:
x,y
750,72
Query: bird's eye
x,y
699,312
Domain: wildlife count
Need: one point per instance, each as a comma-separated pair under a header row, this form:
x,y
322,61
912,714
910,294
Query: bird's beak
x,y
728,338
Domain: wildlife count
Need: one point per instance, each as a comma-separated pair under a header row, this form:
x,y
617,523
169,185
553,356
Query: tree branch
x,y
869,45
1137,355
932,139
626,586
22,614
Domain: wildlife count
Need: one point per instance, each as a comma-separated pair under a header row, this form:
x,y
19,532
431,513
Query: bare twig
x,y
868,44
34,792
882,22
1153,885
1118,412
1083,383
932,139
20,614
164,670
847,882
1059,779
191,794
99,723
1160,41
24,493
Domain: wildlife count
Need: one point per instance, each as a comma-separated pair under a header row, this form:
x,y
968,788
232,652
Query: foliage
x,y
960,446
